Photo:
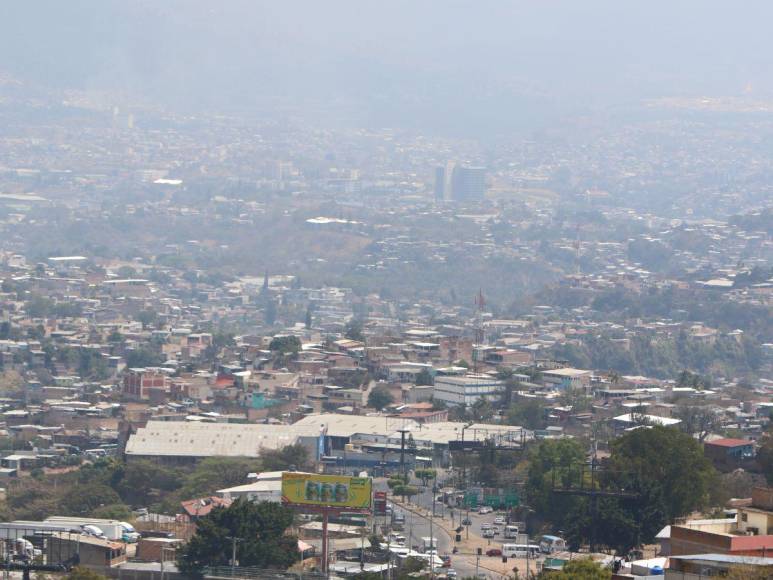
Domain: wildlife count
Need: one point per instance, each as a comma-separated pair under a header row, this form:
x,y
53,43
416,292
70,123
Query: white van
x,y
511,532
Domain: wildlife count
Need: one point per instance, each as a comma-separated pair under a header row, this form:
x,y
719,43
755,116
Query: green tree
x,y
115,511
697,420
411,566
424,378
353,330
425,475
481,409
215,473
115,336
126,272
295,456
141,482
260,529
223,340
663,461
396,481
765,456
554,463
380,397
143,357
147,317
38,306
83,502
285,344
528,413
582,569
690,379
405,490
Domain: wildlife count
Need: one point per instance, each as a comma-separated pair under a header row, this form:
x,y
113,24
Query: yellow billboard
x,y
326,490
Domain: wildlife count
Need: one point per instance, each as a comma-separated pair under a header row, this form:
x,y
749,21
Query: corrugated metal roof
x,y
194,439
347,425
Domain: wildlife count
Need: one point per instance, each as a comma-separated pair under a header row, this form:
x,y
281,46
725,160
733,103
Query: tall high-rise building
x,y
468,183
440,183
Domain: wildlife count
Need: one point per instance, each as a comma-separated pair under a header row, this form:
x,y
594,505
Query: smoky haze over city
x,y
386,290
451,67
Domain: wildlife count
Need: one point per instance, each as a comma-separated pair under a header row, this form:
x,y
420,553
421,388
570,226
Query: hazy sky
x,y
410,62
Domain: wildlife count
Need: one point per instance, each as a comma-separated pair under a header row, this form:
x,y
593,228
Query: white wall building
x,y
466,390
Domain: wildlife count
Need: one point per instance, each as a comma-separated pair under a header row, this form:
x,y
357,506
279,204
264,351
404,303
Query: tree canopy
x,y
380,397
661,470
765,456
260,532
285,344
582,569
528,413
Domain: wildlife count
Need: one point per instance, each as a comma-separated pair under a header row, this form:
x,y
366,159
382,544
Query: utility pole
x,y
432,546
402,432
434,491
362,549
234,540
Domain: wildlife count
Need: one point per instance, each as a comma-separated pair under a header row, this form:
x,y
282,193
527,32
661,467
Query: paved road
x,y
491,566
417,526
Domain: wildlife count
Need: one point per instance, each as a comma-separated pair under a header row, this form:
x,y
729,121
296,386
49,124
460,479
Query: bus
x,y
511,532
550,544
520,550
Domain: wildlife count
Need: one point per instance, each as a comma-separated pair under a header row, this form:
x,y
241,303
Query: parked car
x,y
485,510
493,552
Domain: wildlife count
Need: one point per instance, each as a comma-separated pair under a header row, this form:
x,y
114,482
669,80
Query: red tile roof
x,y
729,442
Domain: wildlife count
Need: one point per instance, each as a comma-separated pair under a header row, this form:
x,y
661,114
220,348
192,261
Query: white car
x,y
499,520
485,510
451,573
